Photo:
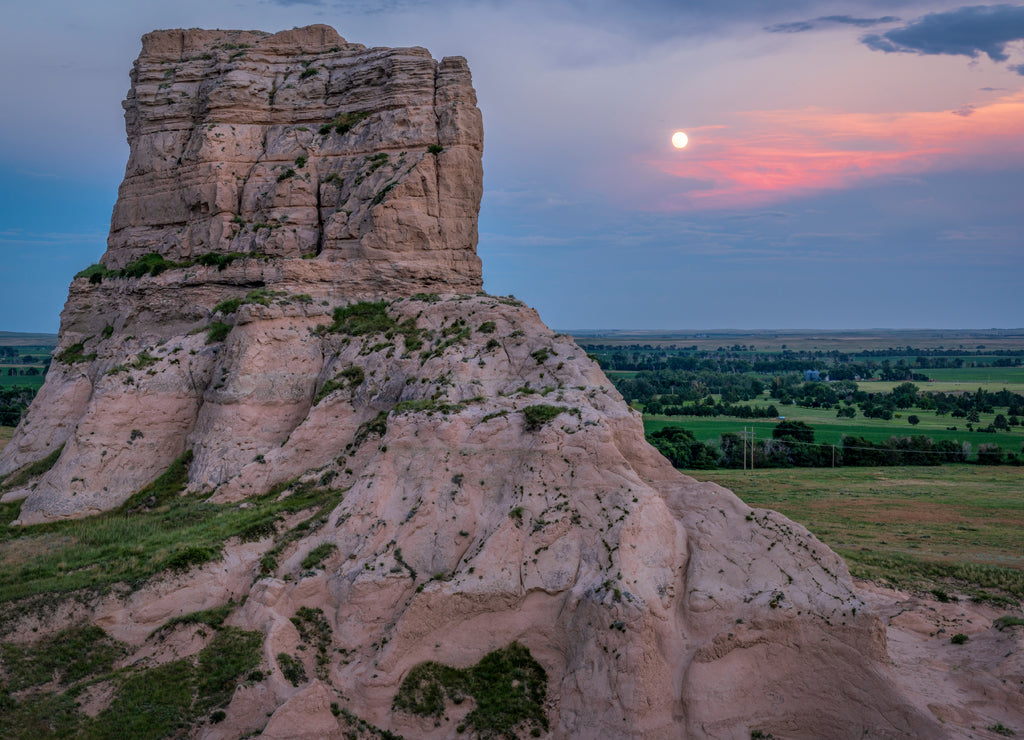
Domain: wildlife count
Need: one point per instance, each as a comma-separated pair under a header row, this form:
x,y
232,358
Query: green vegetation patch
x,y
540,414
148,703
155,530
217,331
318,555
33,470
213,617
344,122
508,686
75,354
292,669
70,656
372,317
316,632
364,317
351,378
153,264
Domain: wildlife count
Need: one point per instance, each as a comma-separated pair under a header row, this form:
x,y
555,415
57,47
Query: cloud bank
x,y
969,31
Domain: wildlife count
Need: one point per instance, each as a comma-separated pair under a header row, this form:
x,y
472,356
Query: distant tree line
x,y
13,403
792,446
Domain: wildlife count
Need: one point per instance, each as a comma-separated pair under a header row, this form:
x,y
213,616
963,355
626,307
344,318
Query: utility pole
x,y
744,437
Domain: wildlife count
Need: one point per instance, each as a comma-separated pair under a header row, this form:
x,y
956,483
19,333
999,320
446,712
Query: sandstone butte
x,y
291,297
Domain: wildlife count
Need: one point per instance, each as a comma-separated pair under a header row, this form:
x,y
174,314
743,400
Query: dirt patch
x,y
973,685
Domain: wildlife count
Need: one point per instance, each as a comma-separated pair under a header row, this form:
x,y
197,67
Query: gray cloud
x,y
968,31
829,20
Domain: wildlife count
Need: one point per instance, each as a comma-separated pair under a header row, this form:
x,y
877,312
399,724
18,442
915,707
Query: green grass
x,y
32,470
156,530
828,429
540,414
508,686
147,703
26,381
951,526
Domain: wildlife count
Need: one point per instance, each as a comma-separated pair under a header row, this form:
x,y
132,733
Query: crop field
x,y
955,527
24,381
958,380
829,429
24,353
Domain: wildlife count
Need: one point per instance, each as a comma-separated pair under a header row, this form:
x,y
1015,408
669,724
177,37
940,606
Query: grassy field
x,y
958,380
34,347
952,527
26,381
5,436
828,429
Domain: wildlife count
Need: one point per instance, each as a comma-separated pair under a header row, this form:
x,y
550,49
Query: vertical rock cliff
x,y
290,305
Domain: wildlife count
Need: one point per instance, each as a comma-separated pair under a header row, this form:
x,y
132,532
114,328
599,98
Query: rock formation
x,y
290,301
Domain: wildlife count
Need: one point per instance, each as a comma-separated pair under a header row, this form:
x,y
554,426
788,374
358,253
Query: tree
x,y
797,430
682,449
989,454
913,419
1001,422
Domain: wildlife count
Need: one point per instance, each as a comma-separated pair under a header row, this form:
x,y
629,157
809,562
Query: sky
x,y
853,164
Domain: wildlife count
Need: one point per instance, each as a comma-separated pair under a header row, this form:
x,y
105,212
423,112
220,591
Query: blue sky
x,y
851,164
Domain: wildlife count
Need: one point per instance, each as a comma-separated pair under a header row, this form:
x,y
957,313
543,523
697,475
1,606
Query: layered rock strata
x,y
323,329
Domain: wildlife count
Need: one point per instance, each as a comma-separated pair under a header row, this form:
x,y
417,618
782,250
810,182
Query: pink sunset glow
x,y
768,156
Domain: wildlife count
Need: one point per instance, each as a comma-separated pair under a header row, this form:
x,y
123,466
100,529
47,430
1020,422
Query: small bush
x,y
287,174
228,306
190,557
217,332
292,669
540,414
959,638
152,264
435,148
317,555
220,260
1000,729
75,354
1008,621
488,327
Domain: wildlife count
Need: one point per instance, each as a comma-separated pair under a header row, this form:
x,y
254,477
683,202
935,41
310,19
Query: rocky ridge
x,y
485,488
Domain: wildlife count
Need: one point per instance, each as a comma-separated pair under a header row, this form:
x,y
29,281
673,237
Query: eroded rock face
x,y
496,488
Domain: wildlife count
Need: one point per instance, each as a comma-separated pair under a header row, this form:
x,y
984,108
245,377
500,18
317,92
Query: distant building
x,y
812,375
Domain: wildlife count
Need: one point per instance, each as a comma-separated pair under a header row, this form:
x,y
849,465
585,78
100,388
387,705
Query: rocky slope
x,y
484,486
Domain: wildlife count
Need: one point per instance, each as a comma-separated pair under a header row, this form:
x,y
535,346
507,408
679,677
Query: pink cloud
x,y
768,156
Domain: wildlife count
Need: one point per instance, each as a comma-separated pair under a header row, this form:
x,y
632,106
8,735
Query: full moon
x,y
680,140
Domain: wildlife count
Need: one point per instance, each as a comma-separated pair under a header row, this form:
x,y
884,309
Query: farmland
x,y
963,388
24,359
